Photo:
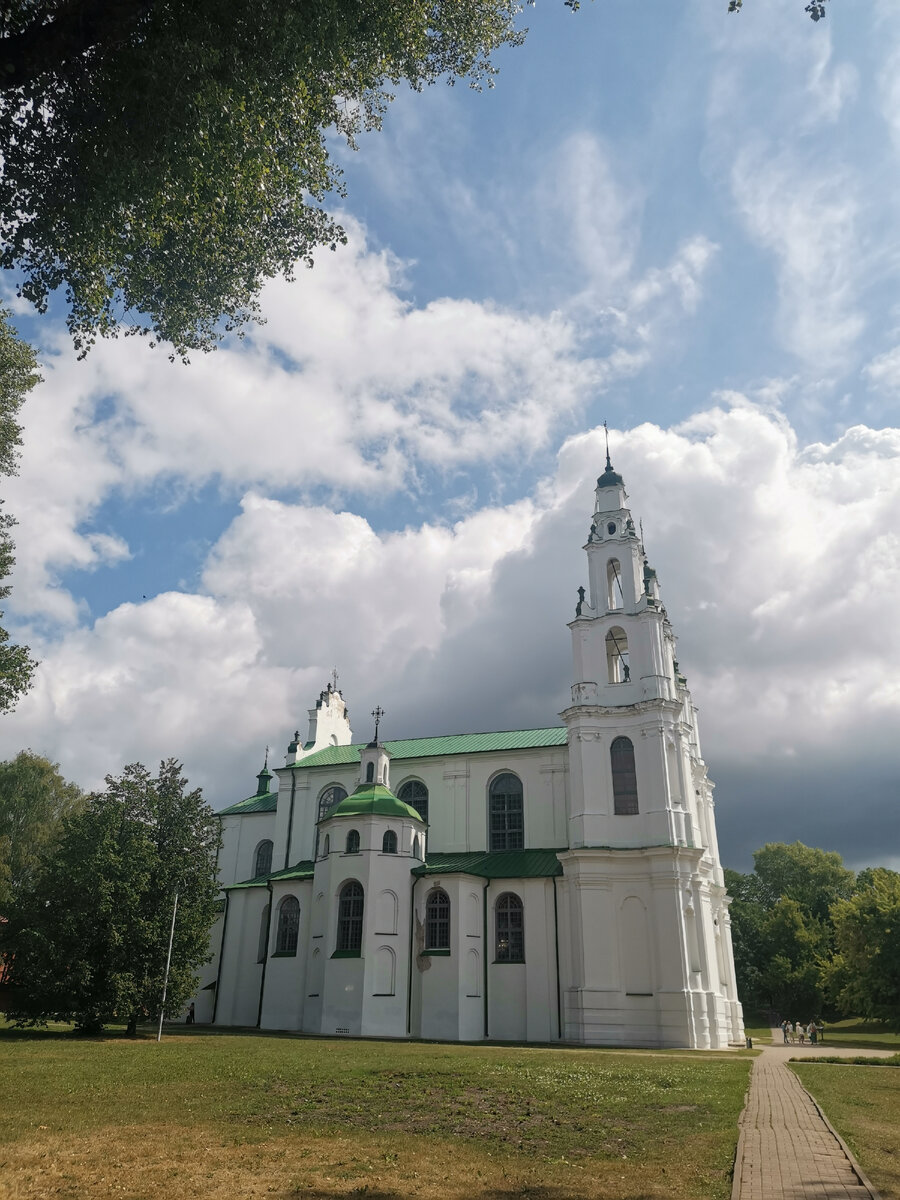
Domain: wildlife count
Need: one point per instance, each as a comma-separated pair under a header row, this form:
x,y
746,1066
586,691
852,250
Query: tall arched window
x,y
507,813
326,846
614,594
263,944
330,798
350,918
617,665
353,841
262,861
415,794
288,926
437,920
417,847
370,772
624,777
389,842
509,916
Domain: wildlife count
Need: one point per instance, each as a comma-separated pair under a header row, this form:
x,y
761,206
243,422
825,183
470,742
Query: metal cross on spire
x,y
377,713
334,678
266,763
606,431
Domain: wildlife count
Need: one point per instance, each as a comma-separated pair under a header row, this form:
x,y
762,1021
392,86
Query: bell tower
x,y
625,691
649,960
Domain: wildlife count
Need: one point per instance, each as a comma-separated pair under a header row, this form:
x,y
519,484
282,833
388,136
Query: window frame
x,y
509,837
503,925
323,809
287,931
389,836
414,800
350,918
437,923
626,801
351,846
257,873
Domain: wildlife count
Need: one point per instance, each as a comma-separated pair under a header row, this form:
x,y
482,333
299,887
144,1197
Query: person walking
x,y
784,1030
801,1035
190,1016
813,1033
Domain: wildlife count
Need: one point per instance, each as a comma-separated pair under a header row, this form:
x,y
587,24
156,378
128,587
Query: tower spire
x,y
377,713
606,431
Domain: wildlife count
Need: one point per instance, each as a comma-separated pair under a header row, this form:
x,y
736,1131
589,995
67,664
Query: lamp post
x,y
162,1007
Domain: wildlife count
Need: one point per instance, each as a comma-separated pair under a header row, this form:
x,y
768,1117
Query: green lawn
x,y
863,1104
212,1115
866,1034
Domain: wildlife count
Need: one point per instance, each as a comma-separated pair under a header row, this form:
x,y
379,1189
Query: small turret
x,y
374,760
264,778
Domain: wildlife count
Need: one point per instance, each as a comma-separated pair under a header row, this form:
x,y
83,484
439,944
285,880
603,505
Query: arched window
x,y
326,847
370,772
288,926
263,943
417,847
614,594
617,655
262,862
330,798
507,813
389,842
415,794
350,918
625,795
353,841
510,928
437,920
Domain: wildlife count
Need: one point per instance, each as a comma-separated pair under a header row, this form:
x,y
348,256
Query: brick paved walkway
x,y
787,1150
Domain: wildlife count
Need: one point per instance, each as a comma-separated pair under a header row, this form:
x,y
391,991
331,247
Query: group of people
x,y
813,1031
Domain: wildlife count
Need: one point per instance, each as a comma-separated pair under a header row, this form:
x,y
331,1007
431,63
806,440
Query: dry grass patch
x,y
224,1116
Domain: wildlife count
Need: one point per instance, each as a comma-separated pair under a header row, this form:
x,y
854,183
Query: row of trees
x,y
87,887
811,937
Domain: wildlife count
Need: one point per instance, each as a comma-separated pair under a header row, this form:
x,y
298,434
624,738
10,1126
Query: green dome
x,y
374,800
609,478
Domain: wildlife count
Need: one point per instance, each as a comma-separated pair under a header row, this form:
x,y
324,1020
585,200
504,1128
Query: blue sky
x,y
677,220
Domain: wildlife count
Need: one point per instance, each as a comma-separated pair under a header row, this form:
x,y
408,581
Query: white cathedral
x,y
537,885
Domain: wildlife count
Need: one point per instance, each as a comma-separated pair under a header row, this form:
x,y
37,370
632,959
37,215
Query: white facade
x,y
537,885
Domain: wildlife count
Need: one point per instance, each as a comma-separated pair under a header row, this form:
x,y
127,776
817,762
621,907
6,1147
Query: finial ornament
x,y
377,713
334,678
606,431
266,762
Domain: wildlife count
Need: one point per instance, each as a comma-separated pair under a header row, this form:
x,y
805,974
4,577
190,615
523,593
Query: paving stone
x,y
787,1151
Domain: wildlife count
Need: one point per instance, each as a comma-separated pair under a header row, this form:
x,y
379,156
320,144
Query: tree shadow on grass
x,y
525,1192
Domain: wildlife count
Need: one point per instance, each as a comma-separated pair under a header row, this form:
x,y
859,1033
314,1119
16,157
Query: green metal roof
x,y
454,743
502,864
301,870
253,804
373,799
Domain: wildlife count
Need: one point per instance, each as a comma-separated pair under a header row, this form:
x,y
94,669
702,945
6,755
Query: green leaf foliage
x,y
781,927
18,375
814,878
163,158
34,799
88,939
865,974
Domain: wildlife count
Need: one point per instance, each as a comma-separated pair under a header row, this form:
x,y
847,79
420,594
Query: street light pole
x,y
162,1007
